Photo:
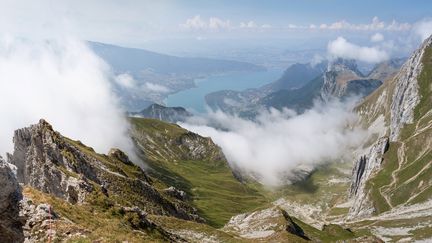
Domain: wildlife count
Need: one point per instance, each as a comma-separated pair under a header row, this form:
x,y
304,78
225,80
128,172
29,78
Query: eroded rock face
x,y
69,170
403,100
259,224
40,217
338,73
363,169
119,155
343,78
40,153
406,96
176,193
199,148
10,195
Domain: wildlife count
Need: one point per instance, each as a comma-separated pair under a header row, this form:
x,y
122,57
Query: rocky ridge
x,y
10,195
343,78
55,165
403,93
46,163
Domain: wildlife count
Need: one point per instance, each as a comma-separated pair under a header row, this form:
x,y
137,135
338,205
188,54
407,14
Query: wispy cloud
x,y
197,23
423,28
344,49
375,25
64,82
213,23
216,23
278,142
377,37
126,81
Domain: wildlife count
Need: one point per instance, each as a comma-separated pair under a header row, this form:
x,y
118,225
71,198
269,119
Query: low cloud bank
x,y
64,82
423,28
274,145
126,81
344,49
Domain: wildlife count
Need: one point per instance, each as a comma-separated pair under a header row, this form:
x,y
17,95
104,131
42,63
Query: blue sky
x,y
306,11
190,25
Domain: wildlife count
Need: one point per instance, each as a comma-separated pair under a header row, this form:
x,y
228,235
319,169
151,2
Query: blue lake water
x,y
193,98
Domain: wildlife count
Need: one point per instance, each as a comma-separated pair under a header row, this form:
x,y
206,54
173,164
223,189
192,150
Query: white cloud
x,y
292,26
344,49
375,25
213,23
278,142
195,23
423,28
152,87
377,37
125,80
64,82
251,24
216,23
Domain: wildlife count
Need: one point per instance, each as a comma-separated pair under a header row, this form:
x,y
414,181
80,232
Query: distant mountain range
x,y
301,84
157,75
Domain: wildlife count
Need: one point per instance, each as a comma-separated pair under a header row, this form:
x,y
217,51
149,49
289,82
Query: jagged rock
x,y
10,195
199,148
363,169
174,192
367,164
258,224
292,227
120,155
405,96
343,78
403,99
140,221
40,218
137,218
47,161
40,154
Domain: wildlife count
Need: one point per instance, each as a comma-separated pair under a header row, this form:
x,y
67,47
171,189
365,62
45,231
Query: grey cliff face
x,y
343,78
363,169
10,196
39,153
340,67
406,97
52,164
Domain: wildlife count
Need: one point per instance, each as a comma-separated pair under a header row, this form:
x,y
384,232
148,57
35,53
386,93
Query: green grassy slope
x,y
405,174
404,177
211,185
218,196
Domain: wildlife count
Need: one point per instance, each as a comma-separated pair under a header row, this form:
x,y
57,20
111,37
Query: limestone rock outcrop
x,y
398,100
363,169
69,170
10,195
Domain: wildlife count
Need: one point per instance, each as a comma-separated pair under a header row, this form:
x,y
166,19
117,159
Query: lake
x,y
193,99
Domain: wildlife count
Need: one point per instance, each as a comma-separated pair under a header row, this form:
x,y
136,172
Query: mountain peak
x,y
343,65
